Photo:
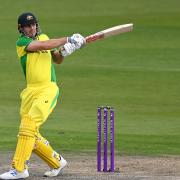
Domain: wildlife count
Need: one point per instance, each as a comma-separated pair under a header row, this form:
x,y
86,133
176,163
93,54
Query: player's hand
x,y
68,49
78,40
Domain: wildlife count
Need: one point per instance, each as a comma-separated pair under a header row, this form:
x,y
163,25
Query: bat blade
x,y
109,32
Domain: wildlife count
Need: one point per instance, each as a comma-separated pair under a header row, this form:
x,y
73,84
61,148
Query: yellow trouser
x,y
37,102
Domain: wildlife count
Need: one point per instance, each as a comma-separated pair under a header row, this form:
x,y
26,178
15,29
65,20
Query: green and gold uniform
x,y
38,100
37,66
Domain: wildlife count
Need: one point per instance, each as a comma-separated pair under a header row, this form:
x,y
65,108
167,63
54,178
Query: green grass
x,y
138,73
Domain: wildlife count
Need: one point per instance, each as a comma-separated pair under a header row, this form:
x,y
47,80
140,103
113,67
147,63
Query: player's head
x,y
28,24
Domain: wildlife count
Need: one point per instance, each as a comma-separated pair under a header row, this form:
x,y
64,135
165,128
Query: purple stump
x,y
99,140
111,140
105,138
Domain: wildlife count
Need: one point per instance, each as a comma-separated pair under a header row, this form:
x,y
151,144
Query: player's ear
x,y
20,29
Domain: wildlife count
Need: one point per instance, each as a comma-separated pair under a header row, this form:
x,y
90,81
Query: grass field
x,y
138,73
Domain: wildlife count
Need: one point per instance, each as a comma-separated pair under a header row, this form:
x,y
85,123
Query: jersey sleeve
x,y
22,44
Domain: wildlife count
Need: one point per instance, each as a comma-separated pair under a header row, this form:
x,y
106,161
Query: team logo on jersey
x,y
29,17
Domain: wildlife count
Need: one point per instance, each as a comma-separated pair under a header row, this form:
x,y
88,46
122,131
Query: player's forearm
x,y
57,57
53,43
46,45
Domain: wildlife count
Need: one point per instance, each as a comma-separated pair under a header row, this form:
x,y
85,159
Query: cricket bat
x,y
109,32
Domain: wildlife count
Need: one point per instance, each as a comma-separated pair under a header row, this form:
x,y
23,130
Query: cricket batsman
x,y
36,54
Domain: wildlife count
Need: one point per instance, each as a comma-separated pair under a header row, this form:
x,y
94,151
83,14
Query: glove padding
x,y
68,49
78,40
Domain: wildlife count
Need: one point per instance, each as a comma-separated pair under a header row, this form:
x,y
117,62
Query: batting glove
x,y
78,40
67,49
